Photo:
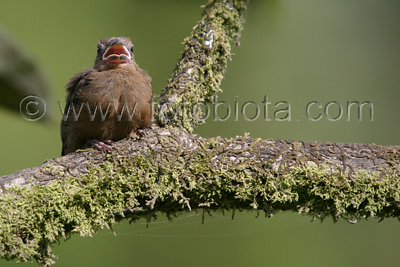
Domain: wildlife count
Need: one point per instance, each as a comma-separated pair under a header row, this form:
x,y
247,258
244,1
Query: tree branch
x,y
199,73
172,171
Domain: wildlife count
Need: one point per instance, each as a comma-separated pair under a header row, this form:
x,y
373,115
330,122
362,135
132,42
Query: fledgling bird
x,y
109,102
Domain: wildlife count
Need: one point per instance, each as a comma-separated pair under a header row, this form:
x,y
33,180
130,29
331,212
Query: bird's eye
x,y
98,49
132,49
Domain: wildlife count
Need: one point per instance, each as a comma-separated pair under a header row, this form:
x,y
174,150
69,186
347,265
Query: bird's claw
x,y
102,145
141,132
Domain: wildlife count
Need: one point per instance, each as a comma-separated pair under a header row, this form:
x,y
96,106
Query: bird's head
x,y
113,53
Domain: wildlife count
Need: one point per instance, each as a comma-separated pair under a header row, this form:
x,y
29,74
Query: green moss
x,y
209,177
199,73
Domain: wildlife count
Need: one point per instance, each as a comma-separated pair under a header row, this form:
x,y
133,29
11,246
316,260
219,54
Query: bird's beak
x,y
116,54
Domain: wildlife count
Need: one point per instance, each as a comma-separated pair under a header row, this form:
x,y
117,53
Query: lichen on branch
x,y
172,172
198,74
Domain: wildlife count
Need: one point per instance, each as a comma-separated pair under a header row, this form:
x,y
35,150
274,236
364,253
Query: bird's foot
x,y
101,145
136,134
141,132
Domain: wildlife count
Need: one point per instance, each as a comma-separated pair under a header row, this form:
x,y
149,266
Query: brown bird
x,y
109,102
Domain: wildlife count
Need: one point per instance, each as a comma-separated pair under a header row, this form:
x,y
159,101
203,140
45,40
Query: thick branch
x,y
347,159
171,171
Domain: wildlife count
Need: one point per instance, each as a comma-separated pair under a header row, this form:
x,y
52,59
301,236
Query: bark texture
x,y
172,171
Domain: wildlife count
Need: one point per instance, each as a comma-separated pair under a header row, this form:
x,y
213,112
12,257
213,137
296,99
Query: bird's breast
x,y
116,94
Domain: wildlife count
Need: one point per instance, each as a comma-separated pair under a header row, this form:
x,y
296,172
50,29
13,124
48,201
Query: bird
x,y
109,102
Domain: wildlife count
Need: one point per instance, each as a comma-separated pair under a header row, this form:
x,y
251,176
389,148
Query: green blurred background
x,y
293,51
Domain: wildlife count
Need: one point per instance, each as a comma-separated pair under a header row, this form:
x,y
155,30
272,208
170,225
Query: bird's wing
x,y
73,87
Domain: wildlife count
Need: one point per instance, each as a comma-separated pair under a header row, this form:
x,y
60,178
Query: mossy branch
x,y
172,171
199,73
